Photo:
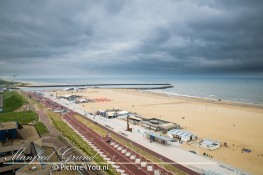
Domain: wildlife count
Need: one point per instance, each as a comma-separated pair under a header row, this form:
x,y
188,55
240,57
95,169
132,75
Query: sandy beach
x,y
239,125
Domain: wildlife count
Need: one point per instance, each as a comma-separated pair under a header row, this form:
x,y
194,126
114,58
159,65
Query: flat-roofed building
x,y
135,119
182,135
72,98
82,100
122,114
156,137
111,114
8,130
210,144
101,112
39,167
158,125
38,93
114,113
13,138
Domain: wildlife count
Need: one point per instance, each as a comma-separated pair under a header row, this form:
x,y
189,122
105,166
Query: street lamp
x,y
131,146
15,80
197,148
162,162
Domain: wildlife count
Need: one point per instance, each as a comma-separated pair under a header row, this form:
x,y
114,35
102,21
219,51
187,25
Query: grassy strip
x,y
12,101
77,140
147,155
20,117
6,83
31,100
41,128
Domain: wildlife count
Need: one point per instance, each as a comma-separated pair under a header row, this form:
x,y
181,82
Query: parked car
x,y
192,152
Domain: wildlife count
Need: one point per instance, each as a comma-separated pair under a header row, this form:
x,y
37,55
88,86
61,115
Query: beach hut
x,y
210,144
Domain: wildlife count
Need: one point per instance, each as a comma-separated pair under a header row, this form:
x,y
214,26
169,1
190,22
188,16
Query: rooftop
x,y
30,168
162,124
67,96
156,121
110,113
135,118
122,112
29,133
12,142
8,125
25,135
180,132
158,135
210,142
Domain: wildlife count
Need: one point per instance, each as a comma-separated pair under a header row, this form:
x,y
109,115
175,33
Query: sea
x,y
237,89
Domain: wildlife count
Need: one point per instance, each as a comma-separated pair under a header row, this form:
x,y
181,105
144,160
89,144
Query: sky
x,y
131,37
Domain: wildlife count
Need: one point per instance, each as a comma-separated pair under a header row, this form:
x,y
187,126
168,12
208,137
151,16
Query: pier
x,y
153,86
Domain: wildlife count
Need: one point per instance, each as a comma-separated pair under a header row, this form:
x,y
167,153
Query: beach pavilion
x,y
158,125
156,137
184,136
135,119
210,144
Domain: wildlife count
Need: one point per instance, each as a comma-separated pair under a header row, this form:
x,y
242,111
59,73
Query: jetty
x,y
118,86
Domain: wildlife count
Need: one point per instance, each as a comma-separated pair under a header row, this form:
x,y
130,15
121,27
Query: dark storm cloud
x,y
113,36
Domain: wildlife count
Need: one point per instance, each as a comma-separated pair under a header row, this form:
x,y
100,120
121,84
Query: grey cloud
x,y
104,37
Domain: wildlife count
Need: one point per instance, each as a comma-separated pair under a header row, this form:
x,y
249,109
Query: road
x,y
111,150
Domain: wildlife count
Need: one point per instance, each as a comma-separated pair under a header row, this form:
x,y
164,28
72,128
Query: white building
x,y
69,97
122,114
100,112
181,135
210,144
113,113
82,100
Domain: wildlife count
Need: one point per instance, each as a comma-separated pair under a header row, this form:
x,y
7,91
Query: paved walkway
x,y
44,118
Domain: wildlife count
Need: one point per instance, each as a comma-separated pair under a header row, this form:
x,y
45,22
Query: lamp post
x,y
15,80
131,146
162,162
197,148
1,103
